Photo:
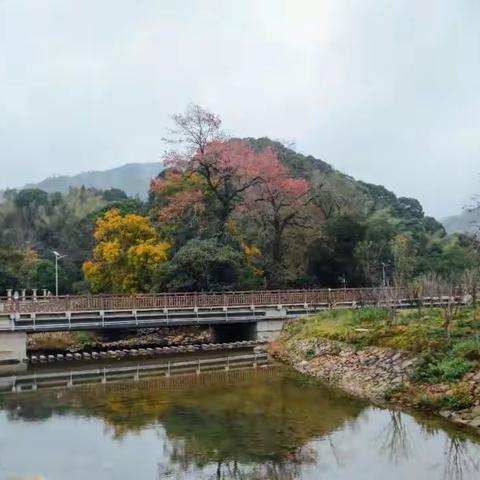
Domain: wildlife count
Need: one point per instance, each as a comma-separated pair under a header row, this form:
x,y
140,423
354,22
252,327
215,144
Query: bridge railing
x,y
78,303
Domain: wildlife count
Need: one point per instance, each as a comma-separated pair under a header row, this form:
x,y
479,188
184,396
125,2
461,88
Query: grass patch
x,y
414,330
85,339
429,402
468,349
441,370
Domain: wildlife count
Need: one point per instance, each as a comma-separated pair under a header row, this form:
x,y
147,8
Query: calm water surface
x,y
268,423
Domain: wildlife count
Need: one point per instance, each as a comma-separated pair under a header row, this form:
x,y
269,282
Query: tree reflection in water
x,y
459,461
288,469
396,441
397,444
256,430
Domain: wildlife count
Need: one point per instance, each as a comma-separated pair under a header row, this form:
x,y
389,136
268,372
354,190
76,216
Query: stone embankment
x,y
381,375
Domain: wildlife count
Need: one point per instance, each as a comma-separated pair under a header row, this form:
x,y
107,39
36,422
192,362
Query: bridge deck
x,y
79,312
199,299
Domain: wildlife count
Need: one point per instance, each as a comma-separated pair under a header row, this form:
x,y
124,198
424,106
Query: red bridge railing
x,y
204,300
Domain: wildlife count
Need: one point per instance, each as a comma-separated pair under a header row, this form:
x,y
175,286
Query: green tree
x,y
202,265
331,258
44,276
405,257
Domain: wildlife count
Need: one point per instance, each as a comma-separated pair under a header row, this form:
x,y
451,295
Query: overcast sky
x,y
387,91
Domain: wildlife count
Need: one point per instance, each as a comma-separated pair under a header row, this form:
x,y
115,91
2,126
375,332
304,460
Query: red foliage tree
x,y
278,201
229,169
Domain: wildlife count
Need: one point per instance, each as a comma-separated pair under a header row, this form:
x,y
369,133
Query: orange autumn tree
x,y
128,251
179,199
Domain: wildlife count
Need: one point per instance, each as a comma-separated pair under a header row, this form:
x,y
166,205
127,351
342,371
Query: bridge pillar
x,y
269,329
13,347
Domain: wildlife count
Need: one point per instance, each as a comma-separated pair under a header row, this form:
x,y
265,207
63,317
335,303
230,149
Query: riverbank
x,y
406,362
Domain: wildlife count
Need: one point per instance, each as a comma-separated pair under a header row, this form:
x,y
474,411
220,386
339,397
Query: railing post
x,y
15,302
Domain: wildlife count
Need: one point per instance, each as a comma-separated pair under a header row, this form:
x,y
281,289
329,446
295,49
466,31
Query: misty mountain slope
x,y
133,178
467,222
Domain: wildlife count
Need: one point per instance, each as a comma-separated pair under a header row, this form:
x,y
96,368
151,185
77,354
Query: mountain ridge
x,y
132,178
466,222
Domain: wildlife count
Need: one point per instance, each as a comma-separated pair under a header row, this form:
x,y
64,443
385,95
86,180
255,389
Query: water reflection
x,y
396,441
399,445
264,423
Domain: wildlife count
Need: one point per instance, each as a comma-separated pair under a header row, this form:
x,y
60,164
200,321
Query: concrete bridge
x,y
256,315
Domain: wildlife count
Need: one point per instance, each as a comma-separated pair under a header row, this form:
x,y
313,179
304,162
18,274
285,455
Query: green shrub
x,y
85,339
433,370
460,398
310,353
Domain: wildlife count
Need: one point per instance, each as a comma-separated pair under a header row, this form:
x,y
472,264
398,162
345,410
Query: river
x,y
265,422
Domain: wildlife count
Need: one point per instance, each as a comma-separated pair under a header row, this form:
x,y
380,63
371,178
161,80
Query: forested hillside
x,y
226,213
34,222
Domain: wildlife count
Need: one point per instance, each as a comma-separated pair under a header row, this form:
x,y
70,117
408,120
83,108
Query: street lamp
x,y
58,256
384,276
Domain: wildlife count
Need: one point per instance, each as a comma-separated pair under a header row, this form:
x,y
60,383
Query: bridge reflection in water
x,y
171,372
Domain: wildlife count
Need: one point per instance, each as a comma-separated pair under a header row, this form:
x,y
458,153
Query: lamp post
x,y
384,276
58,256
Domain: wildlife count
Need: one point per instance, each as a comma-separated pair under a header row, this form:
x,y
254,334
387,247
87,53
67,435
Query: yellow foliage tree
x,y
127,253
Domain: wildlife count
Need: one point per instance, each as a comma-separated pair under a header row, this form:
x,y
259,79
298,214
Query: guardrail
x,y
78,303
